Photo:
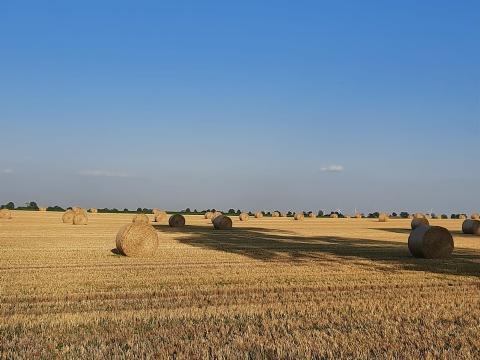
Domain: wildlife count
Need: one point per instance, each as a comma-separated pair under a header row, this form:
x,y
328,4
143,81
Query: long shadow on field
x,y
269,245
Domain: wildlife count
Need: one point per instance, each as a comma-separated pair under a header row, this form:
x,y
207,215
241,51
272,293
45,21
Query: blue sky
x,y
254,105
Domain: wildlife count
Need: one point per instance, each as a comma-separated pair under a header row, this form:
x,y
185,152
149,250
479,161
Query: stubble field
x,y
270,288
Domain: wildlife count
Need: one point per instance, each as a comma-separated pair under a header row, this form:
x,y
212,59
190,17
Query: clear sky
x,y
256,105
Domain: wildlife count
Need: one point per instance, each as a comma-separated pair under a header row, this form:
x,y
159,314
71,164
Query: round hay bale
x,y
298,216
347,216
138,240
258,215
430,242
75,208
176,220
418,215
383,217
475,216
427,217
208,215
79,210
276,214
141,218
334,216
439,217
67,217
284,215
312,215
160,216
357,216
411,217
222,223
244,217
462,217
42,208
471,226
80,219
5,214
419,222
93,210
155,211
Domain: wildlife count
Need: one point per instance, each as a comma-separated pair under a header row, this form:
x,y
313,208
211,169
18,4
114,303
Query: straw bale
x,y
222,223
67,217
334,216
475,216
176,220
208,215
275,214
312,215
348,216
357,216
418,215
80,219
42,208
419,222
258,215
160,216
439,216
137,239
141,218
430,242
462,217
244,217
383,217
298,216
93,210
471,226
5,214
284,215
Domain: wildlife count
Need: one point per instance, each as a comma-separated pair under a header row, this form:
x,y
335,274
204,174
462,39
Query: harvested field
x,y
279,288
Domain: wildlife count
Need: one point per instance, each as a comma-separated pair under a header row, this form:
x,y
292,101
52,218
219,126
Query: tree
x,y
231,211
9,206
187,210
404,214
320,213
394,213
139,210
32,205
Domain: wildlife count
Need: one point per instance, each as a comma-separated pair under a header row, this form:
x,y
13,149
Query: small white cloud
x,y
332,168
102,173
7,171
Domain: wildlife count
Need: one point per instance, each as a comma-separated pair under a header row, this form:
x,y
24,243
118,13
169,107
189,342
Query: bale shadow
x,y
272,245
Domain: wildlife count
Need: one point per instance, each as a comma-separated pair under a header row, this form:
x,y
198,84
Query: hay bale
x,y
334,216
208,215
138,240
418,216
312,215
67,217
160,216
76,208
462,217
42,208
155,211
430,242
5,214
411,217
93,210
439,217
475,216
357,216
244,217
222,223
283,215
141,218
427,217
471,226
347,216
419,222
258,215
79,210
298,216
80,219
276,214
383,217
176,220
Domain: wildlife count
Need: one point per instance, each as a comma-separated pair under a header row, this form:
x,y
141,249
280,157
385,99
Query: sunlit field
x,y
270,288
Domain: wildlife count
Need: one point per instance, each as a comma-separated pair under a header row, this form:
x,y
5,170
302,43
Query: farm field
x,y
270,288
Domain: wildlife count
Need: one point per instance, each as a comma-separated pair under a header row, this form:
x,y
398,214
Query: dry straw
x,y
427,216
471,226
284,215
42,208
411,217
418,215
462,217
5,214
383,217
275,214
160,216
298,216
138,240
155,211
67,217
418,222
348,216
430,242
176,220
208,215
475,216
312,215
222,223
141,218
244,217
93,210
80,219
439,217
358,216
258,215
334,216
